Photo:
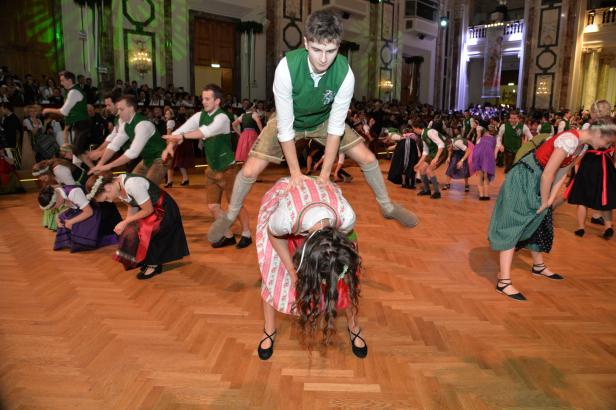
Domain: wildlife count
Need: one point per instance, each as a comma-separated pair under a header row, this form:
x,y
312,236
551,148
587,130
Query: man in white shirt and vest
x,y
511,135
213,126
313,88
76,118
138,137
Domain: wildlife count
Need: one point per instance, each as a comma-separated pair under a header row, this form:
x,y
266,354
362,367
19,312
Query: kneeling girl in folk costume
x,y
81,226
309,264
433,155
53,172
522,217
152,233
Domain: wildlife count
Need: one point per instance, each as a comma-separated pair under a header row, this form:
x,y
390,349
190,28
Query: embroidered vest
x,y
153,191
153,148
433,148
79,112
217,148
512,139
312,104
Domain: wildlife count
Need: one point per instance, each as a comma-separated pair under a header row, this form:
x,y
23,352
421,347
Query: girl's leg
x,y
184,174
581,216
480,184
504,277
609,230
354,326
539,266
486,187
269,316
169,177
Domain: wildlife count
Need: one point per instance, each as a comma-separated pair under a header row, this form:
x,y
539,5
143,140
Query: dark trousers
x,y
509,157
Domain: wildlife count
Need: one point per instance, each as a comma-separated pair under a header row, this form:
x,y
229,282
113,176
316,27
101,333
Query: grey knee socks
x,y
241,188
374,178
434,184
425,182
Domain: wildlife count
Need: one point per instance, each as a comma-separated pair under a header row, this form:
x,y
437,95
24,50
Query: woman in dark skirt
x,y
594,185
152,234
82,226
522,217
406,155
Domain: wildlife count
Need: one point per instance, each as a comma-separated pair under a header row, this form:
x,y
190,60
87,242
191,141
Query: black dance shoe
x,y
424,193
244,242
467,188
436,195
169,184
224,241
359,352
537,270
142,276
265,354
445,187
185,183
597,221
609,232
580,232
501,289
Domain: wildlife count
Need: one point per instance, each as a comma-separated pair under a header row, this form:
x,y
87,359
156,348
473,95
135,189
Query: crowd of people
x,y
306,245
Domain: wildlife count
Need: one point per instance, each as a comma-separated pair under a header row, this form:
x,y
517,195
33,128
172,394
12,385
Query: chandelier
x,y
387,86
141,59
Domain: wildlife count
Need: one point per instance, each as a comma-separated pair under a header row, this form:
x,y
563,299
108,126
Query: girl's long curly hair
x,y
328,253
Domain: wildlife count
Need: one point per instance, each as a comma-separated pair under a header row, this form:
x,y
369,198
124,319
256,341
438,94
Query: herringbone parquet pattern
x,y
76,331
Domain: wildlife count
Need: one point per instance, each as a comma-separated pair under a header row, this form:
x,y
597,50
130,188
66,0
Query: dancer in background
x,y
152,234
183,157
521,217
81,225
483,161
594,185
432,157
247,126
309,266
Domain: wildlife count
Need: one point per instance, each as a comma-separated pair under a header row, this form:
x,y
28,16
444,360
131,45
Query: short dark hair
x,y
67,74
114,95
323,26
129,99
214,89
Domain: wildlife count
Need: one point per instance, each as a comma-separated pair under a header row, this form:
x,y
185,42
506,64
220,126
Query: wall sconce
x,y
386,86
141,59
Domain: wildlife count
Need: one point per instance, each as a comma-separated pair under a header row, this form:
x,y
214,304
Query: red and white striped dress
x,y
276,281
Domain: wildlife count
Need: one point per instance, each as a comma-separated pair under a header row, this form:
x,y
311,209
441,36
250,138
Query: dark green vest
x,y
153,190
467,126
155,145
432,147
79,112
312,105
512,139
546,128
249,122
217,148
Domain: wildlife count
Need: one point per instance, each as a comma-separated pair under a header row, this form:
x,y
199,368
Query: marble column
x,y
591,79
604,73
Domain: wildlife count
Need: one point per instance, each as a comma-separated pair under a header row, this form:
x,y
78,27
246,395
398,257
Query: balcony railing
x,y
509,28
600,17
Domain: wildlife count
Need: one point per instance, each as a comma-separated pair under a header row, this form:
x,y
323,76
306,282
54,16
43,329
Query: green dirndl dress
x,y
515,222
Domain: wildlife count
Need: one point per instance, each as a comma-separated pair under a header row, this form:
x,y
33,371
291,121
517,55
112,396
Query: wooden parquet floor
x,y
78,332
